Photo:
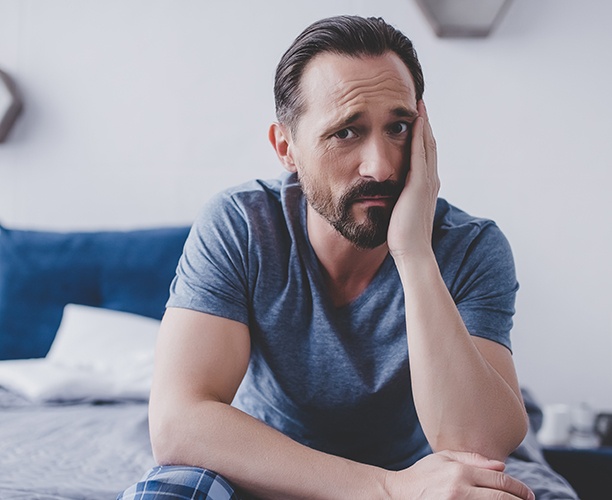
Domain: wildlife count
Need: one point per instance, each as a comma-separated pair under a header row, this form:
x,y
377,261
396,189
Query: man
x,y
282,364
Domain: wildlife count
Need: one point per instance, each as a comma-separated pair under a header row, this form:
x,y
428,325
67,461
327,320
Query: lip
x,y
374,200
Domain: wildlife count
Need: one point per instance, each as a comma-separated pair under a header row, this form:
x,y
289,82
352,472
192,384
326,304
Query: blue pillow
x,y
42,271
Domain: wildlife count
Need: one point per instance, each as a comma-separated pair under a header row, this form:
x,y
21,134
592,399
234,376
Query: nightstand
x,y
589,470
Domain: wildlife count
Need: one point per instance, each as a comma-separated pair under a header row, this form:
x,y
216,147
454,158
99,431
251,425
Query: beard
x,y
367,234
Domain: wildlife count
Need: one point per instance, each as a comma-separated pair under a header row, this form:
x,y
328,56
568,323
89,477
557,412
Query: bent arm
x,y
465,388
200,362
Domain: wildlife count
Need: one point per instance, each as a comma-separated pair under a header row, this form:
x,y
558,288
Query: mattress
x,y
83,451
88,451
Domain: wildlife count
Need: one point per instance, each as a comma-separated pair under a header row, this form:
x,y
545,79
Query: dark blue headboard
x,y
42,271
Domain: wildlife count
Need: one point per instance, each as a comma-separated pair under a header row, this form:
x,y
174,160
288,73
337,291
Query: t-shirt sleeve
x,y
485,286
211,275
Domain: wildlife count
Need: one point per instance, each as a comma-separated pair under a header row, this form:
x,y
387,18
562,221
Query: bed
x,y
70,426
79,313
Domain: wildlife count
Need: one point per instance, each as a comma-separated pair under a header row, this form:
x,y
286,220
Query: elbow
x,y
496,442
162,454
169,432
164,440
516,429
511,435
521,428
180,432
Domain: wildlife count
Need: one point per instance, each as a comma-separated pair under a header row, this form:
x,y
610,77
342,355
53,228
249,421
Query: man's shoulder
x,y
456,231
257,192
252,209
449,216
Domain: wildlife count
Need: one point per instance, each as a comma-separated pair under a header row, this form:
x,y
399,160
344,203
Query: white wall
x,y
138,110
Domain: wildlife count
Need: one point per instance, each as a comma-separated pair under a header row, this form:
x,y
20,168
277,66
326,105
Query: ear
x,y
280,139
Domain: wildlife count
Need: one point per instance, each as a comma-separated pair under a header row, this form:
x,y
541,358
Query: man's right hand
x,y
456,475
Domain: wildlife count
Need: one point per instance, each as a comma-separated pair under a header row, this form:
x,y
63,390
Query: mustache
x,y
365,189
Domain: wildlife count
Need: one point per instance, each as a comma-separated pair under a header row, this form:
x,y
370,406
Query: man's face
x,y
351,144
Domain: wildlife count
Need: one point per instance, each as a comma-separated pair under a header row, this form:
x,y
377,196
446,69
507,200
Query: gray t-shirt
x,y
335,379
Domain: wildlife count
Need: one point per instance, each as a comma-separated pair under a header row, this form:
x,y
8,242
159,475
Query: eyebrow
x,y
400,112
352,118
340,124
403,112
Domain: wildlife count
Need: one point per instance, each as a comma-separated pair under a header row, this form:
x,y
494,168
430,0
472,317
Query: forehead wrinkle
x,y
386,81
338,94
342,114
340,119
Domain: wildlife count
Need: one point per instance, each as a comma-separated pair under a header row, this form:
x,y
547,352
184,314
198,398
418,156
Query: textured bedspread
x,y
94,451
75,451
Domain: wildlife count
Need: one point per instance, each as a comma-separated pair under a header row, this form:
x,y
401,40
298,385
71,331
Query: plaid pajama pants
x,y
181,483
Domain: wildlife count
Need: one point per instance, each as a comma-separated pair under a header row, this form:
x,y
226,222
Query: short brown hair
x,y
344,35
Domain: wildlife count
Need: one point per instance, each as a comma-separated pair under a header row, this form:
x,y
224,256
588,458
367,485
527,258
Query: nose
x,y
379,160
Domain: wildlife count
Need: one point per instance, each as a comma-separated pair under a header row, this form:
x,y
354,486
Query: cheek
x,y
340,166
327,172
322,166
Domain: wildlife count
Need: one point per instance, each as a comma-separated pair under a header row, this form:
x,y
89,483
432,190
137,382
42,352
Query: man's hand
x,y
411,222
456,475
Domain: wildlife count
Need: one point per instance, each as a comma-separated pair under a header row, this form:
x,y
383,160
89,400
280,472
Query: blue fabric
x,y
42,271
528,464
334,379
180,483
541,479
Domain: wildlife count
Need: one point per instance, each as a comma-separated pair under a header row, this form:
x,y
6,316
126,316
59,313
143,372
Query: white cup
x,y
556,425
583,433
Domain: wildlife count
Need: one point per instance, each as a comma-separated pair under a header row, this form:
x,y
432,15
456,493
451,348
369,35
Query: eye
x,y
399,128
345,133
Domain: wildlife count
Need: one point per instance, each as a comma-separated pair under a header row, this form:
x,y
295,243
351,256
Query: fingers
x,y
424,156
417,147
451,474
418,156
488,475
498,481
429,142
474,459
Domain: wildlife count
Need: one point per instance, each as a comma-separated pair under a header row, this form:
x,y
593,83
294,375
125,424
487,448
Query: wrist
x,y
388,481
378,482
415,262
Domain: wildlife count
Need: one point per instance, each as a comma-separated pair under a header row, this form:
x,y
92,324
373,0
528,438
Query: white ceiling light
x,y
463,18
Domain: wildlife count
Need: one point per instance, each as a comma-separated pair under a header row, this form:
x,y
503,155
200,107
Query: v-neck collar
x,y
314,267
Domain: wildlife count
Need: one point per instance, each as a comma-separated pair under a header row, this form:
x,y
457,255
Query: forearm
x,y
462,402
256,457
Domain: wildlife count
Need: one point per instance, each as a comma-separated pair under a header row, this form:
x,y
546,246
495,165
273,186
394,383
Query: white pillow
x,y
97,338
97,354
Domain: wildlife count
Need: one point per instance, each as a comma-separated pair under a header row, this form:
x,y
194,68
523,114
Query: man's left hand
x,y
411,224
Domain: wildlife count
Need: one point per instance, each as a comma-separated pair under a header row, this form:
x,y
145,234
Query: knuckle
x,y
453,492
499,480
456,473
502,483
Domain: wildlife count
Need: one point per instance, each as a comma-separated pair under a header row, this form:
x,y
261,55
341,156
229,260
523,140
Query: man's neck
x,y
348,270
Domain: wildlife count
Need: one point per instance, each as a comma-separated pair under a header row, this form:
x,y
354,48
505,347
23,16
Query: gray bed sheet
x,y
94,451
71,451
